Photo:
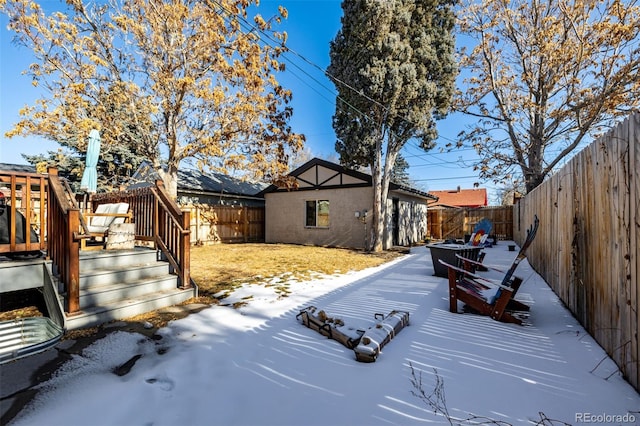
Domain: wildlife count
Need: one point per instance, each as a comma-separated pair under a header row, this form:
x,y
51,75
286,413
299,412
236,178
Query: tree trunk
x,y
534,174
377,224
389,161
170,179
533,180
381,177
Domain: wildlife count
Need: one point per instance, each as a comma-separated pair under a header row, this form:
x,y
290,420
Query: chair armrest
x,y
475,276
475,262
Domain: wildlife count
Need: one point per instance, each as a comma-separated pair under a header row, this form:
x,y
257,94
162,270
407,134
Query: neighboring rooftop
x,y
193,180
461,198
190,180
24,168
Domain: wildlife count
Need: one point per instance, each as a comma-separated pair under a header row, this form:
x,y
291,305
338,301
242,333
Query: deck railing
x,y
52,221
23,208
158,219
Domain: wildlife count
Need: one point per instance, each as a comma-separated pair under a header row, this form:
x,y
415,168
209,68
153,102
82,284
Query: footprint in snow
x,y
164,383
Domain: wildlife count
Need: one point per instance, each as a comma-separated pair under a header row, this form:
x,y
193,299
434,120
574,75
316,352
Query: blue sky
x,y
311,25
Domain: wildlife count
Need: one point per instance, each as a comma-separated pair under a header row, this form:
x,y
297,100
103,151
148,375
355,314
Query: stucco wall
x,y
412,220
416,231
285,217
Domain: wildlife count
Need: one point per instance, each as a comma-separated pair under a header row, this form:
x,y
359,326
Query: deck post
x,y
185,250
73,251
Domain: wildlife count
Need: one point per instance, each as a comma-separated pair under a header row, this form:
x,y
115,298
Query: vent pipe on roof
x,y
458,188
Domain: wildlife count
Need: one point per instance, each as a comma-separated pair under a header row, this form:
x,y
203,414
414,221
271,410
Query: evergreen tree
x,y
394,69
399,172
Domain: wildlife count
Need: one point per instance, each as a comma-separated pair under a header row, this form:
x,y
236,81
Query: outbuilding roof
x,y
308,178
17,168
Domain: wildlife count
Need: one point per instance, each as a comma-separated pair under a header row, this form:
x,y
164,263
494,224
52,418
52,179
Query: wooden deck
x,y
42,217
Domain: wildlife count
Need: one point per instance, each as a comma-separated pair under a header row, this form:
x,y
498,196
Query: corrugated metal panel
x,y
27,336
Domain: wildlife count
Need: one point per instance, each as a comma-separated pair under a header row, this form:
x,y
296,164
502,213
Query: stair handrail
x,y
173,237
70,196
63,223
159,219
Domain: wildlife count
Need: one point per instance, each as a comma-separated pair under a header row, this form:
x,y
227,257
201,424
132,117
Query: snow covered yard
x,y
258,365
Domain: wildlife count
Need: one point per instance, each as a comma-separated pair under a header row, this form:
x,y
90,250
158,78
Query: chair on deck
x,y
486,296
98,222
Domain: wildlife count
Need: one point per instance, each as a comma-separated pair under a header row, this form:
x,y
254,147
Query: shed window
x,y
317,214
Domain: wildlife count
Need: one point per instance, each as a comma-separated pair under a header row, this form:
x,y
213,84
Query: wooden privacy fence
x,y
226,224
588,242
457,222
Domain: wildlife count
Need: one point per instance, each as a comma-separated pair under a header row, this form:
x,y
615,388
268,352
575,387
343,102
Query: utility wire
x,y
261,34
252,28
313,64
447,178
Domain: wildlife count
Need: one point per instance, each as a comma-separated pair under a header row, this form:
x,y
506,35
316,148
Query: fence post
x,y
245,231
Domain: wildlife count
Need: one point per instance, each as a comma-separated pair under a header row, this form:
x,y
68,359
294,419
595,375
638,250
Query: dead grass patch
x,y
222,267
219,269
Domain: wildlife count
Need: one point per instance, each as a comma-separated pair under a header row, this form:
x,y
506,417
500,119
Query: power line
x,y
270,42
446,178
313,64
253,28
431,154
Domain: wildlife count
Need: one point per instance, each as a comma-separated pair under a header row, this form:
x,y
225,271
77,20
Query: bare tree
x,y
180,80
544,77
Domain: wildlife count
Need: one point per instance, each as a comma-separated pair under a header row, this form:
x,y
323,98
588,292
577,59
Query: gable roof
x,y
476,197
321,174
190,180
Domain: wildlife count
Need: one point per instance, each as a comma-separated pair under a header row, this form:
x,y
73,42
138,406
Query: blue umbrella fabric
x,y
89,181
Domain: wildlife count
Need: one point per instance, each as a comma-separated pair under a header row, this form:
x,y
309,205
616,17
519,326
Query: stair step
x,y
99,295
118,284
128,308
110,259
101,277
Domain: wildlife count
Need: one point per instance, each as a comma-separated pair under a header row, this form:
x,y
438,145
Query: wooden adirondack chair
x,y
486,296
482,295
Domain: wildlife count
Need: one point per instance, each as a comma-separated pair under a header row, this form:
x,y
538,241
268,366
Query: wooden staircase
x,y
121,284
86,288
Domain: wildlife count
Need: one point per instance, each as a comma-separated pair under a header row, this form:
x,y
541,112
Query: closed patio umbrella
x,y
89,181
